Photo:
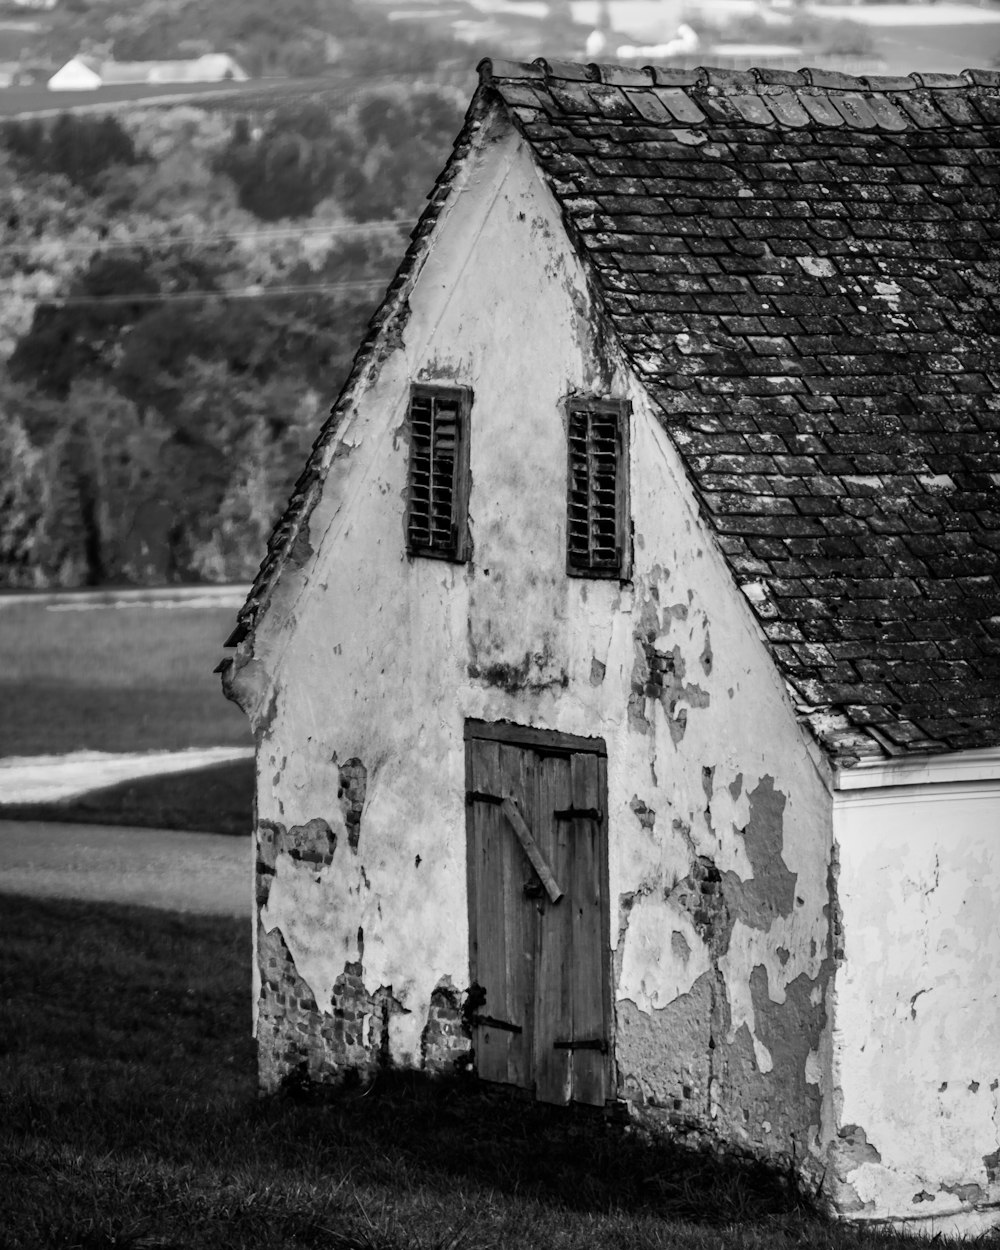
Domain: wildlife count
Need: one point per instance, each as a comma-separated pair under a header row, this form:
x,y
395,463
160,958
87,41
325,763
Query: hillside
x,y
184,291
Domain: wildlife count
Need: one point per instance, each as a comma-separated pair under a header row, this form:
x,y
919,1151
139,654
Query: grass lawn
x,y
125,679
130,1120
114,679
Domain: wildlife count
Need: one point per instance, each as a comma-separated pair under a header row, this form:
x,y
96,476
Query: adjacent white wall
x,y
917,1036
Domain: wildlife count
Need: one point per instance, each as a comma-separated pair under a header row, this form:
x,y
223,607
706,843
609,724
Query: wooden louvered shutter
x,y
597,517
437,515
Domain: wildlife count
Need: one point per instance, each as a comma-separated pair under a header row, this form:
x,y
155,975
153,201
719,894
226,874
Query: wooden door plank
x,y
606,956
516,779
588,1066
553,989
472,867
491,1044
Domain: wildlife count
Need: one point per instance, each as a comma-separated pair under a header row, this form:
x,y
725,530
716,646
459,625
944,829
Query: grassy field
x,y
130,1121
137,678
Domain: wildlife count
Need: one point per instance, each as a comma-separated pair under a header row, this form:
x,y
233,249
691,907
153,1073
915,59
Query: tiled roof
x,y
804,269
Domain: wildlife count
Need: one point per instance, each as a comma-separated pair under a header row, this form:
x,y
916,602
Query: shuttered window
x,y
597,521
437,513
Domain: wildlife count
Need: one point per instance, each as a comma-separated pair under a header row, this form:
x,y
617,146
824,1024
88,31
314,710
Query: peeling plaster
x,y
300,904
645,815
718,813
770,892
351,791
648,978
660,667
768,1016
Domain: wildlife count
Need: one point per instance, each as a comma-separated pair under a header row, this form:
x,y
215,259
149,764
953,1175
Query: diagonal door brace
x,y
512,812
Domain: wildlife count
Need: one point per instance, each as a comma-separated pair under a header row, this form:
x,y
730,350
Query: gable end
x,y
804,271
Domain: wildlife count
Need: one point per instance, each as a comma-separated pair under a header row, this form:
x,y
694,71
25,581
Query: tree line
x,y
186,289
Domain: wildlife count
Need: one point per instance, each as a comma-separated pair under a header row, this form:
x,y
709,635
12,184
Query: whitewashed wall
x,y
917,1038
366,654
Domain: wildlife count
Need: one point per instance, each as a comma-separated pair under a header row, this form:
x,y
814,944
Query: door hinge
x,y
477,796
488,1022
592,1043
577,813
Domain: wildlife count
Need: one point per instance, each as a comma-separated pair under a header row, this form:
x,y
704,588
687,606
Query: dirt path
x,y
192,872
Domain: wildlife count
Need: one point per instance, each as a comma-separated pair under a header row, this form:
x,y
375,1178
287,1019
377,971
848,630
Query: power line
x,y
194,296
364,227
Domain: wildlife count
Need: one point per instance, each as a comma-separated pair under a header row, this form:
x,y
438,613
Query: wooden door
x,y
538,912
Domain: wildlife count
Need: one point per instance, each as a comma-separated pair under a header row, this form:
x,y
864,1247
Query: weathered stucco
x,y
718,807
916,1055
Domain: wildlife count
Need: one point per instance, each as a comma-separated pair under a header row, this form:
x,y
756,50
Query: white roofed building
x,y
86,73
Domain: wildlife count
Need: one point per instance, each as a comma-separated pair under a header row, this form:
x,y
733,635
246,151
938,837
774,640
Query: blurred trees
x,y
166,435
81,147
379,159
162,384
291,38
291,166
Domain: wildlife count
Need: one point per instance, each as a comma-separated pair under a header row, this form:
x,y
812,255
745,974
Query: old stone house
x,y
624,670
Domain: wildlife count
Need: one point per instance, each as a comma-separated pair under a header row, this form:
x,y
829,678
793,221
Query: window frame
x,y
621,410
460,550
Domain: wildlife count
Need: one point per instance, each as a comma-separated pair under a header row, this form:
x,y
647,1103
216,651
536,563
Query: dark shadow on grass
x,y
126,1036
214,799
460,1130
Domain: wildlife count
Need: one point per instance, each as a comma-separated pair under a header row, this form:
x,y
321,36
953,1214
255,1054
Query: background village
x,y
200,207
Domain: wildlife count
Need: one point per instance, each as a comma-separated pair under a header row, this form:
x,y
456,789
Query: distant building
x,y
86,73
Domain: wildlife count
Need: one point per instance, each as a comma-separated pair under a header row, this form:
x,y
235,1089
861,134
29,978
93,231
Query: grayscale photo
x,y
499,624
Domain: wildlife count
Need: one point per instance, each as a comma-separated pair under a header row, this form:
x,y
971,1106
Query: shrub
x,y
81,148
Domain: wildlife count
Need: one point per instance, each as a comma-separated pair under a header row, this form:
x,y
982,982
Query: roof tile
x,y
665,77
622,75
649,105
779,77
921,108
785,108
821,291
569,71
821,109
679,103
